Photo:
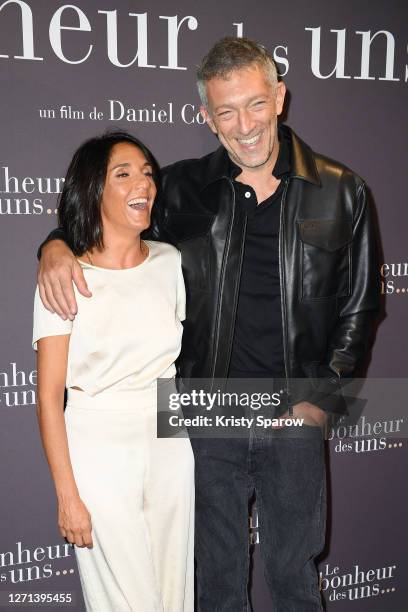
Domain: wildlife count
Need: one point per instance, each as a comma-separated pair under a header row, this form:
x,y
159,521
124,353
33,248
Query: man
x,y
280,268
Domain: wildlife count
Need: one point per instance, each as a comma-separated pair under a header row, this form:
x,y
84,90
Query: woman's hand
x,y
74,522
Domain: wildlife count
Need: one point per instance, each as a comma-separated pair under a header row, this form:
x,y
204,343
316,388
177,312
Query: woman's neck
x,y
118,253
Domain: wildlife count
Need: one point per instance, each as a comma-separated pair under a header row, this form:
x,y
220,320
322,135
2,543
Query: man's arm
x,y
57,271
55,234
349,341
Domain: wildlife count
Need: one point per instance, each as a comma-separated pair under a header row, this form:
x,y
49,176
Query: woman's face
x,y
129,190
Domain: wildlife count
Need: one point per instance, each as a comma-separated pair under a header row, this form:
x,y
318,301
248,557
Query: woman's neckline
x,y
142,263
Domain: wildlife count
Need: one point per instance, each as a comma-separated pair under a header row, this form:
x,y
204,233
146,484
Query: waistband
x,y
119,399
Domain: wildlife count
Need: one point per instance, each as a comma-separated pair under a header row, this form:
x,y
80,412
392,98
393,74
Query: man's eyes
x,y
227,113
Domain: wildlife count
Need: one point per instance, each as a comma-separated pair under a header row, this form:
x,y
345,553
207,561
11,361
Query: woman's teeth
x,y
138,203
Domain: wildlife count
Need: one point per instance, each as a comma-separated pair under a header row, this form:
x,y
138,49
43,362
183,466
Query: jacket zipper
x,y
283,296
235,306
222,280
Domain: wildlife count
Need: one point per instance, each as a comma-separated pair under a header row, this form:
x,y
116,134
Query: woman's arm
x,y
73,517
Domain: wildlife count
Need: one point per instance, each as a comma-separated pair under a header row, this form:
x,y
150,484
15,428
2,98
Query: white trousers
x,y
139,491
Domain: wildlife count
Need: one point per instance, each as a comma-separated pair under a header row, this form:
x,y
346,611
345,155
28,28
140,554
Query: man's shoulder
x,y
340,184
318,167
193,162
194,169
330,169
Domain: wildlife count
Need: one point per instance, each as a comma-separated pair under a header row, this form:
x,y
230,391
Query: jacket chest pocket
x,y
326,258
191,233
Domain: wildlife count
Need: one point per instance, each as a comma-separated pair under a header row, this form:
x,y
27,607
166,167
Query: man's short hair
x,y
233,53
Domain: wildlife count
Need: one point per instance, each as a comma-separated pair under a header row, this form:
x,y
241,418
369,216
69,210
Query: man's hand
x,y
311,414
57,271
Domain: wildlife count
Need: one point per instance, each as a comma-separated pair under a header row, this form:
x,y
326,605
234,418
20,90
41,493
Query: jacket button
x,y
247,194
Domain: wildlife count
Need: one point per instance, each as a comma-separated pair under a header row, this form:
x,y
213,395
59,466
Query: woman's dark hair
x,y
79,211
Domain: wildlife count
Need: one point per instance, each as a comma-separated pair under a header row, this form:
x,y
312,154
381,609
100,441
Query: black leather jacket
x,y
330,284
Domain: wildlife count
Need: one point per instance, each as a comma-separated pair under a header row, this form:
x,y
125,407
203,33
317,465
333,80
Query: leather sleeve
x,y
349,342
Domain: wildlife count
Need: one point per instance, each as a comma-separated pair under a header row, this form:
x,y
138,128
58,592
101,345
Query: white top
x,y
129,332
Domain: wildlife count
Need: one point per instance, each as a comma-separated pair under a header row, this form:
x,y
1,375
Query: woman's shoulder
x,y
163,248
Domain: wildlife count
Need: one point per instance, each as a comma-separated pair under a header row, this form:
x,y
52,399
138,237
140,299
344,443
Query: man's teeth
x,y
138,203
249,141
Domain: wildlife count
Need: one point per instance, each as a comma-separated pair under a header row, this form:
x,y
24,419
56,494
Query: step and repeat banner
x,y
70,71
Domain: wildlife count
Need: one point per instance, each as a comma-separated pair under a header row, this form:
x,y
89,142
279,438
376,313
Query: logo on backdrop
x,y
24,195
367,41
116,110
357,583
17,387
394,278
25,564
73,19
366,436
338,584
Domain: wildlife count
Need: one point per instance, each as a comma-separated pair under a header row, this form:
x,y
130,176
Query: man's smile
x,y
250,141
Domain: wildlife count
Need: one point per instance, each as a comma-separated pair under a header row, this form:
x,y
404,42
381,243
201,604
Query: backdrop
x,y
69,71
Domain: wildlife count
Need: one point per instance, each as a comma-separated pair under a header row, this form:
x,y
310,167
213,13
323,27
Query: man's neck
x,y
261,179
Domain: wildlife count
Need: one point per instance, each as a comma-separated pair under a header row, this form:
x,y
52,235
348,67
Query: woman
x,y
125,498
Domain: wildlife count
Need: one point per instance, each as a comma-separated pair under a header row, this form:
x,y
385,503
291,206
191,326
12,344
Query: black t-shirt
x,y
257,349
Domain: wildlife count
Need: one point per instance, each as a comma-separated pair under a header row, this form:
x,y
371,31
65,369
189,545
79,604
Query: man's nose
x,y
246,122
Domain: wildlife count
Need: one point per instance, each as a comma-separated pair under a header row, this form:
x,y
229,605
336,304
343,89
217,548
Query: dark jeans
x,y
288,477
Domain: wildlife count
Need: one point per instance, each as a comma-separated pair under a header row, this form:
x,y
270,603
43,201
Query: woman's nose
x,y
141,182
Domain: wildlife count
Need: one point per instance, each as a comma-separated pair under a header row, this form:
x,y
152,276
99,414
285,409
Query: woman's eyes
x,y
124,174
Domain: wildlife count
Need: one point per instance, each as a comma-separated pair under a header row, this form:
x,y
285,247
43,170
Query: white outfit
x,y
138,489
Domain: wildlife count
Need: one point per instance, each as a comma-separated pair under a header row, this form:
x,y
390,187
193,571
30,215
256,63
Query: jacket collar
x,y
303,162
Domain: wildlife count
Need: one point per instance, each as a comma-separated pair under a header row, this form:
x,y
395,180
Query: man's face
x,y
243,110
